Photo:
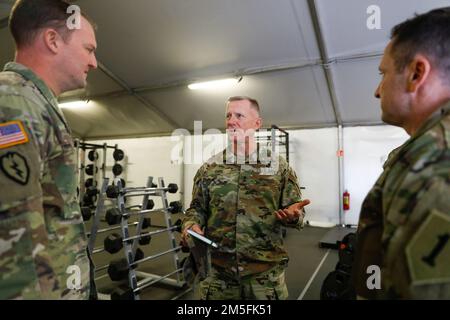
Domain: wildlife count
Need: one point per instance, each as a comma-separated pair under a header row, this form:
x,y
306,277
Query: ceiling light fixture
x,y
212,84
74,104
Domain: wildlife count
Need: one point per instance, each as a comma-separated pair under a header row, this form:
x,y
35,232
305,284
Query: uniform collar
x,y
433,119
440,113
28,74
259,155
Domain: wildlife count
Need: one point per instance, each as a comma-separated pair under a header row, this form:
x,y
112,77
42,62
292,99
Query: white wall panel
x,y
366,149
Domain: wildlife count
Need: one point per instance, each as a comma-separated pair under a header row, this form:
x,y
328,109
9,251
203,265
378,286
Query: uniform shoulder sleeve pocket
x,y
428,252
19,165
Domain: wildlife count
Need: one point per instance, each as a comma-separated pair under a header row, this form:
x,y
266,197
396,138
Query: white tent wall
x,y
312,155
365,151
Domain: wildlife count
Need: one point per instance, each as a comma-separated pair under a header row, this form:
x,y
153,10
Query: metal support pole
x,y
341,174
98,210
168,219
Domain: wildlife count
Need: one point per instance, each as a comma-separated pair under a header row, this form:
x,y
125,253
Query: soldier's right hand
x,y
185,235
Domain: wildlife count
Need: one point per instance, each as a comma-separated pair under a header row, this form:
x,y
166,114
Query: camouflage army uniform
x,y
236,204
42,236
404,226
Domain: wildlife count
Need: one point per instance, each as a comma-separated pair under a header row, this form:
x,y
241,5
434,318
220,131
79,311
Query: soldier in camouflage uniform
x,y
404,226
241,202
42,238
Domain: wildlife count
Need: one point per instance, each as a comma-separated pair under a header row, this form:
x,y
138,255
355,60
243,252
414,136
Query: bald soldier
x,y
42,238
404,227
241,201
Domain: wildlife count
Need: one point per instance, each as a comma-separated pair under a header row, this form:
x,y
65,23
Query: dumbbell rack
x,y
82,147
130,248
278,140
94,230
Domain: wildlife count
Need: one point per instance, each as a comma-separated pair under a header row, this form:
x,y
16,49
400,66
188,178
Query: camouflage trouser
x,y
268,285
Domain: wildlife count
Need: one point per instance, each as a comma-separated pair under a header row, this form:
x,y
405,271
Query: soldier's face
x,y
392,91
241,120
79,56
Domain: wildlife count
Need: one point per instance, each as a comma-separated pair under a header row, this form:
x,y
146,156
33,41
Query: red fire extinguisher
x,y
346,201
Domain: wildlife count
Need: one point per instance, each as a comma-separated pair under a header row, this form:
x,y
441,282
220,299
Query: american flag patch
x,y
12,133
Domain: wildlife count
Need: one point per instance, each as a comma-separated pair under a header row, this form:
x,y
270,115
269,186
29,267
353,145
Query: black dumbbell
x,y
172,188
150,204
117,169
145,240
118,155
87,201
90,183
146,223
90,169
93,155
113,243
174,207
86,213
112,191
113,216
92,191
118,269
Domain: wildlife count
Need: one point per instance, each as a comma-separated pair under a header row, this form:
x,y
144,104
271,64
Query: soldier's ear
x,y
418,72
259,122
52,40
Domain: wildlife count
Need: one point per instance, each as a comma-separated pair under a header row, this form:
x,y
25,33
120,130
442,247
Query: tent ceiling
x,y
5,7
345,23
304,61
299,93
357,97
173,39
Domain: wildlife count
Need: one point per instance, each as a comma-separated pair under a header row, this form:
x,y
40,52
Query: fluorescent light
x,y
74,105
212,84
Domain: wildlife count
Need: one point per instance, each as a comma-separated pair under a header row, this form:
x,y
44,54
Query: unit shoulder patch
x,y
428,253
15,167
12,133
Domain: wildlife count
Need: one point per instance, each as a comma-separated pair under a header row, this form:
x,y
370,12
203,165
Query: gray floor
x,y
303,276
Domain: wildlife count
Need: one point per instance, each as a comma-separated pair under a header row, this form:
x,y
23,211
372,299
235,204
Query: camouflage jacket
x,y
404,225
42,237
236,204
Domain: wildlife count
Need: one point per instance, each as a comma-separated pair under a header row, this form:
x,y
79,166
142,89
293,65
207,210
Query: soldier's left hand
x,y
293,212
